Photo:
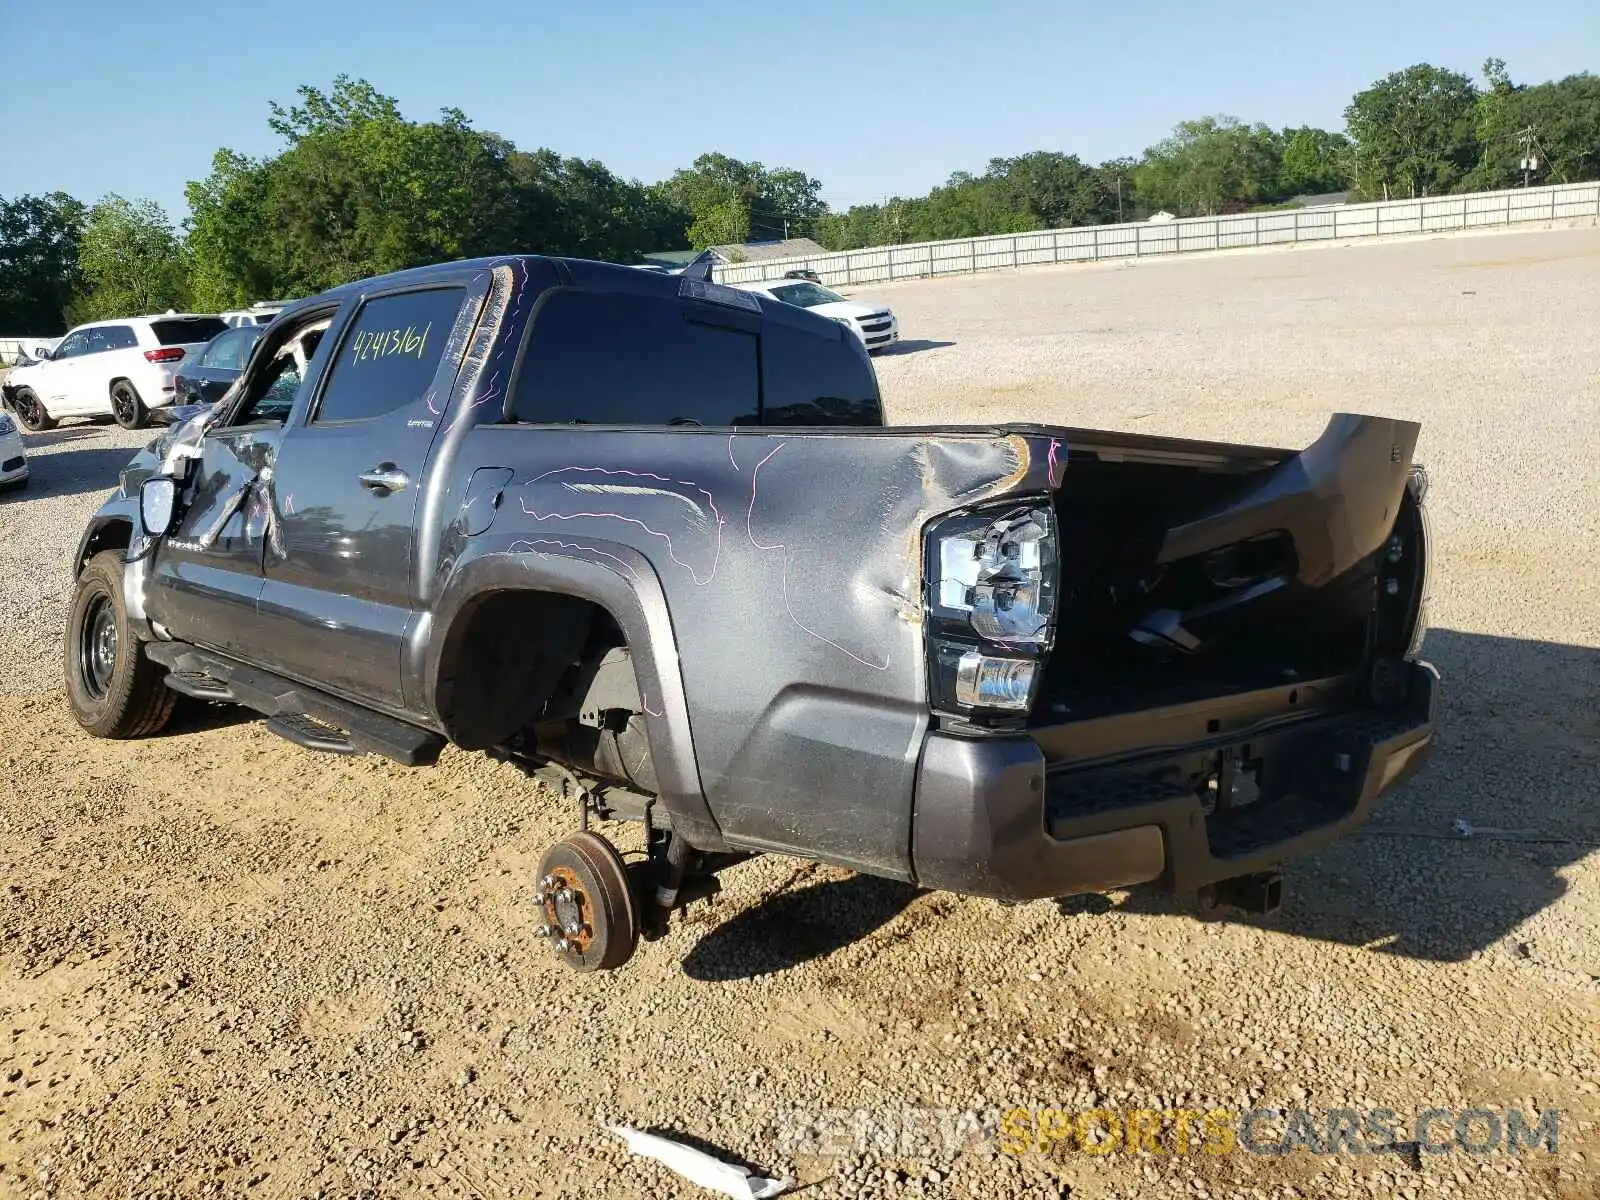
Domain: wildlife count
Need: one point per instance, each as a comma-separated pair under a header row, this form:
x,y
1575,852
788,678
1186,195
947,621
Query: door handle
x,y
384,479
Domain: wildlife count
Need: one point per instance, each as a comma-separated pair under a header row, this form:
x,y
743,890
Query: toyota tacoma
x,y
648,537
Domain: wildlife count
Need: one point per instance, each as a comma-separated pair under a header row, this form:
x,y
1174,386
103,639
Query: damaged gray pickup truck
x,y
648,537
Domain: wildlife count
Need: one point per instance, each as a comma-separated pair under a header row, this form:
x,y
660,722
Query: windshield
x,y
805,295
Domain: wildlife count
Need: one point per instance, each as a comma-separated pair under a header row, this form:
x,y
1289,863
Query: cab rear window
x,y
187,331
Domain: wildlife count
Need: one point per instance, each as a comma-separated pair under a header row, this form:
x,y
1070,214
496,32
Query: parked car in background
x,y
259,313
803,273
873,324
217,366
13,459
120,369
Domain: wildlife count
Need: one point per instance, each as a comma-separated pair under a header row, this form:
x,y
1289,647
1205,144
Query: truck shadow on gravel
x,y
34,442
796,927
1515,758
912,346
72,472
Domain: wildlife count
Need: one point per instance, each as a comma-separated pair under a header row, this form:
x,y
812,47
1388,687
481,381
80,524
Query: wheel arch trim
x,y
618,579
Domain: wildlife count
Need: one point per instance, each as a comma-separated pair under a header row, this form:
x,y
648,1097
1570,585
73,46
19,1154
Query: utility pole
x,y
1530,162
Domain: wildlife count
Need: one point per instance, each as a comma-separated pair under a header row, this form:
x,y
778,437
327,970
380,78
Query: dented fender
x,y
776,578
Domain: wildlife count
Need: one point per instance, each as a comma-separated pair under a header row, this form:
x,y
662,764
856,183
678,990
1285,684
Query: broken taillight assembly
x,y
991,607
1404,565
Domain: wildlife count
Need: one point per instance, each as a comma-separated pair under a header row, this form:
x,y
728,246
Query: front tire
x,y
114,690
126,406
30,412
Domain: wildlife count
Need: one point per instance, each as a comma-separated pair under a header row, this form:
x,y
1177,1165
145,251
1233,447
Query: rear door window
x,y
226,351
817,378
620,358
98,340
118,337
186,331
390,354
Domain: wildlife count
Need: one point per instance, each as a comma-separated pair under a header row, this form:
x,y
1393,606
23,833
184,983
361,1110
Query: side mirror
x,y
158,505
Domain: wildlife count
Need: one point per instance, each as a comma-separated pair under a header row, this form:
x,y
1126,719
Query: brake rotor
x,y
587,907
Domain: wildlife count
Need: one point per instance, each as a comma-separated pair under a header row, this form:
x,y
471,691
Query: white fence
x,y
1092,243
10,347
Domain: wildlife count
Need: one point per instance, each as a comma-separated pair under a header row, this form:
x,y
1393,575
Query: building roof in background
x,y
763,251
669,258
1322,200
747,252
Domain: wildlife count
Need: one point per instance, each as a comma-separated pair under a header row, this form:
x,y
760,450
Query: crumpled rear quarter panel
x,y
791,564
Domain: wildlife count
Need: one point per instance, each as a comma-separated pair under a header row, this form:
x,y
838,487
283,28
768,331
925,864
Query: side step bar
x,y
310,734
305,716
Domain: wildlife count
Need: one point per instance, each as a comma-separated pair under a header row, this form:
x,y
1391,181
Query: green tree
x,y
1116,198
788,204
38,262
724,194
131,261
357,191
1314,160
1056,190
579,207
1559,122
233,259
725,223
1414,133
1210,165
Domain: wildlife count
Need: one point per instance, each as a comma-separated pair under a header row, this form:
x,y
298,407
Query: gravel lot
x,y
229,967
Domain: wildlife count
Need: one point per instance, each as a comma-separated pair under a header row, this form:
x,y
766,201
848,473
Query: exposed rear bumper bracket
x,y
992,819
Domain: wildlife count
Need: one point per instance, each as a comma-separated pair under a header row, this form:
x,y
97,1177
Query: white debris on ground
x,y
699,1167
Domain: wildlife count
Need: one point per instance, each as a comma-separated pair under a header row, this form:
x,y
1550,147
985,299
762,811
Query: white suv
x,y
120,369
259,313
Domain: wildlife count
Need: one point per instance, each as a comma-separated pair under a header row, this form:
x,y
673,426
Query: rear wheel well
x,y
506,654
113,535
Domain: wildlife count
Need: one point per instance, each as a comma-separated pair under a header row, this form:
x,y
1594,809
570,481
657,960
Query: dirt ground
x,y
230,967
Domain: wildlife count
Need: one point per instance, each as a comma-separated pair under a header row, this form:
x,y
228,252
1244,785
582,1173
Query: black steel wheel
x,y
126,406
587,909
97,646
30,412
113,688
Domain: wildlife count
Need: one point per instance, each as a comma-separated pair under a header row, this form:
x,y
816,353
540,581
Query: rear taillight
x,y
1421,550
991,600
165,354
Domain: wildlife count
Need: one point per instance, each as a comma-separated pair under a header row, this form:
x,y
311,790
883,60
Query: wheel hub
x,y
567,911
585,904
98,647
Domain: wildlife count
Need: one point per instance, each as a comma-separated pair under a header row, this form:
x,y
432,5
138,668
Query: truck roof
x,y
582,270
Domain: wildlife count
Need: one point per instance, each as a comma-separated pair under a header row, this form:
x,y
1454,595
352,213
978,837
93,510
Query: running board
x,y
310,734
305,716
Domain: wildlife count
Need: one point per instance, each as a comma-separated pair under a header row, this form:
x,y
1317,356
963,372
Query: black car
x,y
219,364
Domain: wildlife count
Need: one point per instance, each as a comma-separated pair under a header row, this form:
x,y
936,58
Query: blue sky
x,y
873,97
